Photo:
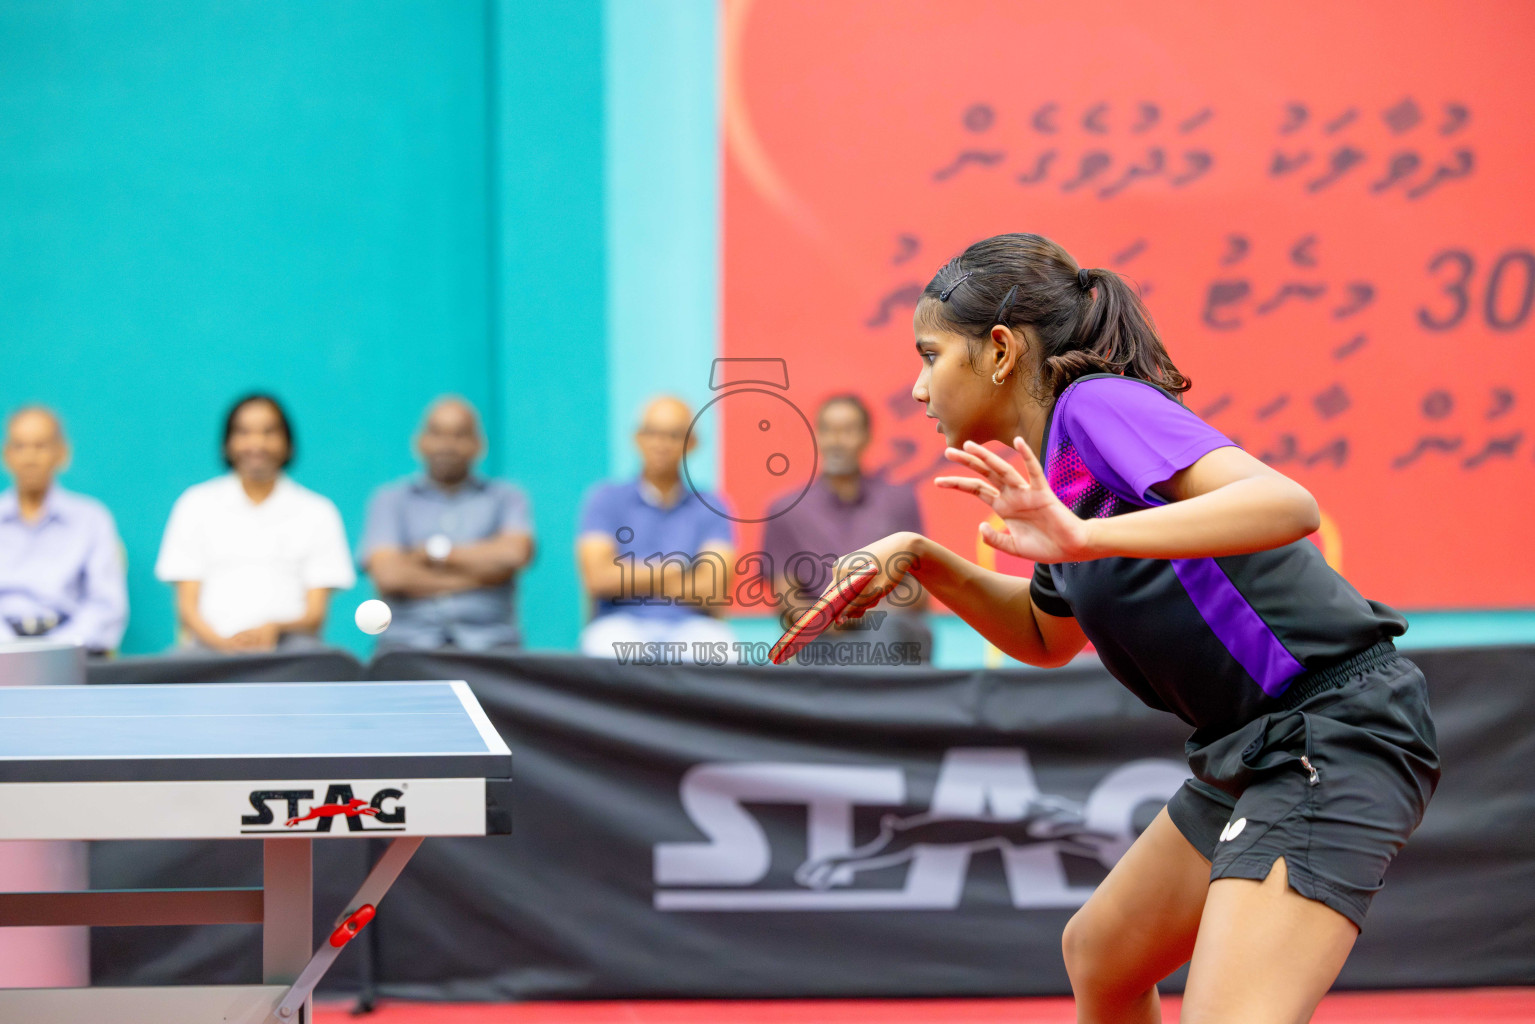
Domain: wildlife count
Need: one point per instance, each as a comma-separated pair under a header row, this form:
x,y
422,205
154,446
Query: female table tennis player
x,y
1185,561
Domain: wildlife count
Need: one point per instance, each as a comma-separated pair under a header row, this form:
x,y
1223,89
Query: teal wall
x,y
663,213
357,205
550,371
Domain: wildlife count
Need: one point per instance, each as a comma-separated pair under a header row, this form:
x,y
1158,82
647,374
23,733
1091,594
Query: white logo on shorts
x,y
1233,829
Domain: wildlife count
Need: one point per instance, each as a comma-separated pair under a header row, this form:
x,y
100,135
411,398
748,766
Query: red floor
x,y
1471,1006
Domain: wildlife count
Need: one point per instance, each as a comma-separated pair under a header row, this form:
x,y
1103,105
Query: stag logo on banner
x,y
984,799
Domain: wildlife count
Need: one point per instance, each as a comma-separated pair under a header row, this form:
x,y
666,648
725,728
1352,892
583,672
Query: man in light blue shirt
x,y
61,561
444,548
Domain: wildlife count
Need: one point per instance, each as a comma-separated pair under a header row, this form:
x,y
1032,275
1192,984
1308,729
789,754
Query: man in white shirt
x,y
253,555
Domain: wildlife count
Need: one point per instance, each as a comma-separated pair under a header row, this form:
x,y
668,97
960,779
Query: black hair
x,y
848,398
1088,321
282,421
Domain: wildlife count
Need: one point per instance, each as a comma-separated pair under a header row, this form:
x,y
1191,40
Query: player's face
x,y
841,437
34,451
954,392
257,446
450,442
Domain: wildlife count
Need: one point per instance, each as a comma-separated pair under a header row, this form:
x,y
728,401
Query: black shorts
x,y
1334,782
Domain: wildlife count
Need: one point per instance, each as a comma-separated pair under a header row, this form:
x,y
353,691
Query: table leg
x,y
51,956
368,897
287,934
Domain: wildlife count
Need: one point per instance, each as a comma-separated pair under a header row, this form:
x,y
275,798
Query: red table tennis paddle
x,y
822,614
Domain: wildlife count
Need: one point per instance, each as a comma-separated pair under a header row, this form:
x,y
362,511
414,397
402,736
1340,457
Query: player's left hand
x,y
1039,527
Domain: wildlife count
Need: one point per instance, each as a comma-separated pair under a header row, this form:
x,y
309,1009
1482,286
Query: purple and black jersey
x,y
1214,640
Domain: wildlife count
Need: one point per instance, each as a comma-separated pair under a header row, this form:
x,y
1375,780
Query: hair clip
x,y
943,296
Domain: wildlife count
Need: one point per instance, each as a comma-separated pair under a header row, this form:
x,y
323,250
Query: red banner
x,y
1327,207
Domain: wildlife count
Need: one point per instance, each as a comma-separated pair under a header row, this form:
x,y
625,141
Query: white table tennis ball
x,y
373,616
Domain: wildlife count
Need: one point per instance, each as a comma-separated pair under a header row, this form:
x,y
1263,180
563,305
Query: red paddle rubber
x,y
822,614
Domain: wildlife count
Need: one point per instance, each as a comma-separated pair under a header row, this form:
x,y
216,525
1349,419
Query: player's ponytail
x,y
1088,321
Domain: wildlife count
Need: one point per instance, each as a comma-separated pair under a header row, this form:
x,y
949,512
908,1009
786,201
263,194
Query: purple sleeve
x,y
1131,435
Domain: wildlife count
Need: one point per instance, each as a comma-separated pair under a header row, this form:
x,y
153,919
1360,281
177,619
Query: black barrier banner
x,y
325,665
738,831
778,831
683,831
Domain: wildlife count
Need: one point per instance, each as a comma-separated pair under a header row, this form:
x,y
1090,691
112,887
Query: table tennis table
x,y
284,764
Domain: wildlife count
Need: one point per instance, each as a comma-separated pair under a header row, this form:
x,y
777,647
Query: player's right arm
x,y
997,605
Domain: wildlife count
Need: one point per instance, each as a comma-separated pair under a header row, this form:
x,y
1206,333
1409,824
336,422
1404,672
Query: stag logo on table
x,y
984,799
385,812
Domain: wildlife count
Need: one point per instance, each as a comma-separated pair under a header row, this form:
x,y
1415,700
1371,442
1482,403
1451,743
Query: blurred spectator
x,y
843,510
254,556
445,547
655,517
61,561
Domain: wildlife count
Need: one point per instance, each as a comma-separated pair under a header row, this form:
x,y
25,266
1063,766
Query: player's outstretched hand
x,y
1039,527
893,555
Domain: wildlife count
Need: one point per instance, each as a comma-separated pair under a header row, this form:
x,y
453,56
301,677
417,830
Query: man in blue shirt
x,y
61,562
655,560
445,548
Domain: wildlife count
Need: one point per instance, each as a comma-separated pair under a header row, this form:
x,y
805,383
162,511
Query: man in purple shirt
x,y
842,511
61,562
